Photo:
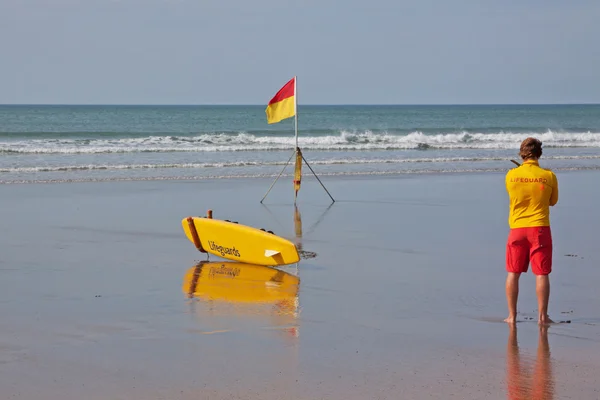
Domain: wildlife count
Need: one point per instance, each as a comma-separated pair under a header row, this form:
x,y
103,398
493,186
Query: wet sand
x,y
404,298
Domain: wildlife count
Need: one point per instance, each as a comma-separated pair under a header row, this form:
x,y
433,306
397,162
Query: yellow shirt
x,y
531,191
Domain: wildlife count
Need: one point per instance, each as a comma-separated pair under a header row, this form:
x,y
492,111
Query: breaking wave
x,y
344,141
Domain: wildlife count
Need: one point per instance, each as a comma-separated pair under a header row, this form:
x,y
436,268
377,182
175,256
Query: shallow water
x,y
100,143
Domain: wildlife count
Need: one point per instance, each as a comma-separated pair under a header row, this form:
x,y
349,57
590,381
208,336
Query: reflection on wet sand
x,y
229,288
298,231
298,228
521,383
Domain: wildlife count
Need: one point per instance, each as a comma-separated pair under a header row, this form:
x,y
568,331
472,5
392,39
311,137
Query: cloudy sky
x,y
343,51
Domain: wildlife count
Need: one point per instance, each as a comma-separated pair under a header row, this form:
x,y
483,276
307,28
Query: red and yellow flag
x,y
283,104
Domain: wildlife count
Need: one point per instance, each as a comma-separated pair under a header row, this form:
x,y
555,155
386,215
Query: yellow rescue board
x,y
239,242
239,282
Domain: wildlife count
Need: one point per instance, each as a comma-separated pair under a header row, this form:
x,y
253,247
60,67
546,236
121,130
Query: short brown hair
x,y
530,148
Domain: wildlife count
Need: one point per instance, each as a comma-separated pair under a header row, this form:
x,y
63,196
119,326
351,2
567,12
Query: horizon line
x,y
307,104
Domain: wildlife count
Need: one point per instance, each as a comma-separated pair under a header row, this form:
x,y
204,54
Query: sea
x,y
87,143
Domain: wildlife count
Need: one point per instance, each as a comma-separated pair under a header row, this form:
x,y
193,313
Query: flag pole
x,y
297,148
296,109
296,125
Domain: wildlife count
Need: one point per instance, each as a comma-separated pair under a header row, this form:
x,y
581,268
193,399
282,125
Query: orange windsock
x,y
298,172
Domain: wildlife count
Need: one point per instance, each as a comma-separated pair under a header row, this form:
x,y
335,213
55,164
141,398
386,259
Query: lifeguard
x,y
532,190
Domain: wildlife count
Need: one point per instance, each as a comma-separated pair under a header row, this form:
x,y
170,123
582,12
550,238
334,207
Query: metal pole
x,y
272,184
317,178
296,107
296,122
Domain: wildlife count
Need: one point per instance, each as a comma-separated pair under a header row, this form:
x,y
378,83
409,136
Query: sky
x,y
343,51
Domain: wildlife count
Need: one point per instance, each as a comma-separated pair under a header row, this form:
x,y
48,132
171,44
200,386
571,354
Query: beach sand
x,y
404,299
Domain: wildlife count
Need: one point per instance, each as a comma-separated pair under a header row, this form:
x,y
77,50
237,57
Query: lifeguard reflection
x,y
529,378
233,295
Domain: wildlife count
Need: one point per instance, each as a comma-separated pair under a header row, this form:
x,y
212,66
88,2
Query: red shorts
x,y
527,245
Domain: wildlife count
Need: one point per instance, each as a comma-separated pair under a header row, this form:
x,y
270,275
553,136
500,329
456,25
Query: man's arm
x,y
554,195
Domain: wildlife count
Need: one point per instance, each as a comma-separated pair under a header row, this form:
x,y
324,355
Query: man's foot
x,y
545,320
511,319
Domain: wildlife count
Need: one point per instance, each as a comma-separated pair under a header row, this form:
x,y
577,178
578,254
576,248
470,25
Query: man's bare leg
x,y
542,289
512,294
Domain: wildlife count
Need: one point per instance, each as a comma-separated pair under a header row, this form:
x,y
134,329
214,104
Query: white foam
x,y
345,140
238,164
255,176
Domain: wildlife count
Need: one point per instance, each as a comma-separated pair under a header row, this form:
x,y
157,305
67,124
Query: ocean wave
x,y
344,141
239,164
264,176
